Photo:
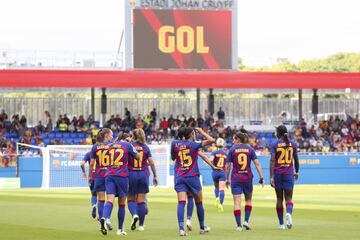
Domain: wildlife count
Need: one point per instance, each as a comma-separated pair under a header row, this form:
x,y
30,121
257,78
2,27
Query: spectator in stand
x,y
58,121
66,119
118,119
302,124
153,115
3,116
200,121
23,121
312,131
63,127
40,128
81,121
127,114
344,130
48,122
171,120
221,115
164,125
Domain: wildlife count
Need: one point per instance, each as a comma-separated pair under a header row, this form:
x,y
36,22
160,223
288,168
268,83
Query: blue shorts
x,y
188,184
138,182
99,185
117,185
218,176
284,181
237,188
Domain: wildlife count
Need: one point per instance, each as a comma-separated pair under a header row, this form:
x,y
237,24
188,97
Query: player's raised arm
x,y
204,157
208,140
153,169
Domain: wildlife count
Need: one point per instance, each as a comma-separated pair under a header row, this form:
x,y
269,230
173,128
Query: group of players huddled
x,y
120,169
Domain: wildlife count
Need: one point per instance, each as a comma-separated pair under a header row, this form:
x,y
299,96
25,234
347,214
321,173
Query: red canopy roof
x,y
176,79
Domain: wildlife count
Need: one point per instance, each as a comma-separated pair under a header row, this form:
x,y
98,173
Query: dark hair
x,y
281,132
242,130
184,132
242,137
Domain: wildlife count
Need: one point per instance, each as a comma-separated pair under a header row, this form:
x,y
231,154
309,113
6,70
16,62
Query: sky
x,y
267,29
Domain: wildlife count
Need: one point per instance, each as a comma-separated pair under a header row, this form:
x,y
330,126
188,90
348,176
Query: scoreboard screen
x,y
182,39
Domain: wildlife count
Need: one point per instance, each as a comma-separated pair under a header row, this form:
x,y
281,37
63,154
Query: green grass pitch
x,y
320,212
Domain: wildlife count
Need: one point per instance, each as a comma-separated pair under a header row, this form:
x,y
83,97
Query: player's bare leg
x,y
121,216
201,213
280,207
141,208
221,195
289,207
216,191
248,209
237,211
93,204
181,211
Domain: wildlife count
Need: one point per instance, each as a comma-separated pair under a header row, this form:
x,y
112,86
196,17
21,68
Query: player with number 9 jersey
x,y
240,156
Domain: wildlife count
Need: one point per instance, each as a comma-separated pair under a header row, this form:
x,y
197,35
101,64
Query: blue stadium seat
x,y
51,135
47,141
76,140
58,135
69,141
73,135
66,135
81,135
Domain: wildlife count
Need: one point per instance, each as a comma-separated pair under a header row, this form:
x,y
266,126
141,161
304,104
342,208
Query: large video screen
x,y
182,39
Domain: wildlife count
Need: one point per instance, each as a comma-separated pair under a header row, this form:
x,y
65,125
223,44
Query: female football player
x,y
282,175
240,157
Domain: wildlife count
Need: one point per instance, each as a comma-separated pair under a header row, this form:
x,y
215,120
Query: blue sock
x,y
216,192
141,209
200,214
180,214
93,201
280,213
237,215
289,207
190,207
107,210
222,196
121,216
101,208
248,209
132,207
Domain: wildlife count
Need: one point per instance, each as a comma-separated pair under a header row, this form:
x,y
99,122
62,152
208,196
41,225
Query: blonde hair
x,y
139,135
100,137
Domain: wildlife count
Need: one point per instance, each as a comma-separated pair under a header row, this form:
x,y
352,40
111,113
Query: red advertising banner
x,y
182,39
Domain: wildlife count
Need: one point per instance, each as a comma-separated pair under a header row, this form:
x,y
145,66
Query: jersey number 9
x,y
242,161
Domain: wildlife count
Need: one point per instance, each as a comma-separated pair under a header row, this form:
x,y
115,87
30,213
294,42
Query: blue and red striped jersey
x,y
241,157
185,155
120,153
141,164
219,159
283,156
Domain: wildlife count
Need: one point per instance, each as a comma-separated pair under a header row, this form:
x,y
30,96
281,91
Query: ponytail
x,y
281,132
